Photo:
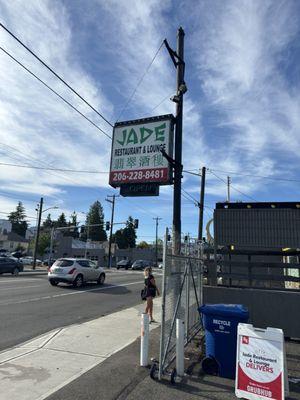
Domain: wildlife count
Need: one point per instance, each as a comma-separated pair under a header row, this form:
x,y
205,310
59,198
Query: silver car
x,y
75,272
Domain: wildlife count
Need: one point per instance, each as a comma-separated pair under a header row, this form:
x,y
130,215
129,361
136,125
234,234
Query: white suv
x,y
75,272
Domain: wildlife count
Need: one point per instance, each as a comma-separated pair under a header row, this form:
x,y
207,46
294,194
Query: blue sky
x,y
241,111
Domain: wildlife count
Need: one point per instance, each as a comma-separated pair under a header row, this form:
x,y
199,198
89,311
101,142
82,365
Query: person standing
x,y
151,291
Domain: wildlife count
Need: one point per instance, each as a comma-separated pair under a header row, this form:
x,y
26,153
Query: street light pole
x,y
156,238
37,233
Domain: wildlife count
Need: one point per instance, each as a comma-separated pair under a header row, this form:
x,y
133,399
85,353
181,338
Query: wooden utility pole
x,y
37,236
181,89
156,239
111,227
228,189
201,204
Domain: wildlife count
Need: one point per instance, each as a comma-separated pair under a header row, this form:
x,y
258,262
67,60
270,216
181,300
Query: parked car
x,y
141,264
10,266
124,264
46,262
75,272
17,254
29,261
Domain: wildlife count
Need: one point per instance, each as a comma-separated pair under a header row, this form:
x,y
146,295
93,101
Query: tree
x,y
17,219
48,223
143,245
61,221
43,245
73,222
129,232
95,216
120,239
126,238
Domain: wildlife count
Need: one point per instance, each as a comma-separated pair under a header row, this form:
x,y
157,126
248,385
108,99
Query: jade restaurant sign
x,y
136,151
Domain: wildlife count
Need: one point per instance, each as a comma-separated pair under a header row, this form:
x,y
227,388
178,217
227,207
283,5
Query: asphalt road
x,y
29,306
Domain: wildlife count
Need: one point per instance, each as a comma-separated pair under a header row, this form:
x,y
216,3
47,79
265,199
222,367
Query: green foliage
x,y
143,245
48,223
43,245
126,238
120,239
73,222
17,219
61,221
95,216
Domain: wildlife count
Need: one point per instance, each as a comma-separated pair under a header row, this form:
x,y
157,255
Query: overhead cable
x,y
234,188
55,73
139,82
54,169
56,93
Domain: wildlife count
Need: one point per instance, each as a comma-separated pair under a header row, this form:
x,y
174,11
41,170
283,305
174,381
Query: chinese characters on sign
x,y
136,151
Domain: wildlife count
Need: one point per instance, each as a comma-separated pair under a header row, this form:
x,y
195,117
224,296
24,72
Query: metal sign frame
x,y
139,143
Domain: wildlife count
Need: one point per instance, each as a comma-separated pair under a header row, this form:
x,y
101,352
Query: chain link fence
x,y
181,297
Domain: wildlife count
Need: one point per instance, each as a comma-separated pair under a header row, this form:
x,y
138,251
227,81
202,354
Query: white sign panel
x,y
260,366
136,151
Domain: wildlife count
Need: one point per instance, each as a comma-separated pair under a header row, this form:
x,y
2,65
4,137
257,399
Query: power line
x,y
9,195
53,91
54,169
254,176
139,82
237,190
241,174
55,74
161,102
193,198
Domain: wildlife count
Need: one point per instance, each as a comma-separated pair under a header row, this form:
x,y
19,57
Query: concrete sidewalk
x,y
121,378
36,369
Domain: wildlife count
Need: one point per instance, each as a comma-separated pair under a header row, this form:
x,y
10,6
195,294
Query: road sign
x,y
261,366
136,155
139,189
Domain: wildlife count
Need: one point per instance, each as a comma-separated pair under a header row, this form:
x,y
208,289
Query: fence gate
x,y
182,295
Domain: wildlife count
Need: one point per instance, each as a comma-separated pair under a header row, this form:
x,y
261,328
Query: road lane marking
x,y
16,280
68,294
19,287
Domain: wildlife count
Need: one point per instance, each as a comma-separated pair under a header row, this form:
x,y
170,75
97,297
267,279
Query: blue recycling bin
x,y
220,322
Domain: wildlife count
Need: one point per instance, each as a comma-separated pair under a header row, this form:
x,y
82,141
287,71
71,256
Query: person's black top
x,y
151,289
148,282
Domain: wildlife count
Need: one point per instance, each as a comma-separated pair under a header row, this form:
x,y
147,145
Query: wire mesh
x,y
181,297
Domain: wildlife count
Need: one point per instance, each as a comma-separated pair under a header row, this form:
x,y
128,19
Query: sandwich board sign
x,y
136,154
261,365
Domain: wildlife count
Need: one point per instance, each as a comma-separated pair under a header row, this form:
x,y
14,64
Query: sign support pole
x,y
178,144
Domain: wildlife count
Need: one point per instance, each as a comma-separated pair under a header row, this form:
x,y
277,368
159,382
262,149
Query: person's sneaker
x,y
152,321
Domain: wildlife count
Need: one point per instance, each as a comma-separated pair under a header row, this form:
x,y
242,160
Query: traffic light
x,y
107,226
136,223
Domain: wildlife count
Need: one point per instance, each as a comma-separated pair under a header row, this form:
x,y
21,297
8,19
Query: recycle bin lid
x,y
226,310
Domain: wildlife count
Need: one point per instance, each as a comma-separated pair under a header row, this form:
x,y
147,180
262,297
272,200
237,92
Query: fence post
x,y
163,305
179,347
144,340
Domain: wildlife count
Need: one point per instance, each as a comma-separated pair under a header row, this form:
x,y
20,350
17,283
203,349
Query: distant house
x,y
12,241
5,226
